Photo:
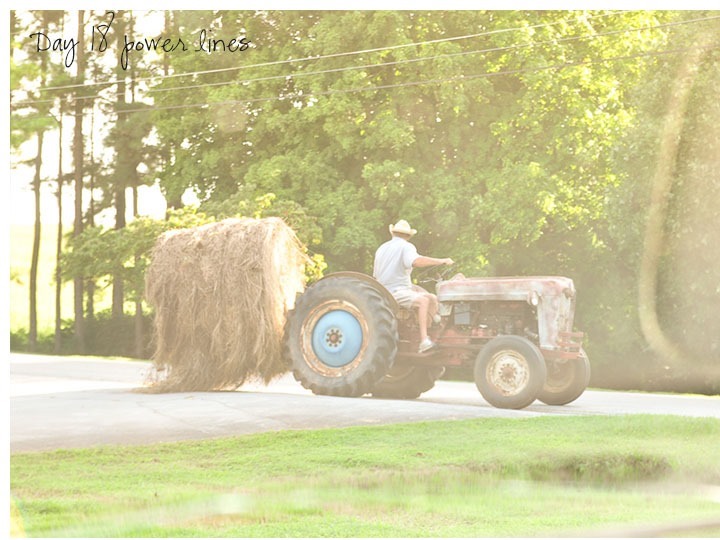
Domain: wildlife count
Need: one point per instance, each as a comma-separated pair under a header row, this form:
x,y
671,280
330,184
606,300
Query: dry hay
x,y
221,293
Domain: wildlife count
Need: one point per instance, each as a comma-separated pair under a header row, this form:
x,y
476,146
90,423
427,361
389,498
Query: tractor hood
x,y
461,289
553,298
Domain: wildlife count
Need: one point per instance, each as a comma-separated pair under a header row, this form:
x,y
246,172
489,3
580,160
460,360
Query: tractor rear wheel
x,y
566,381
341,337
510,372
407,382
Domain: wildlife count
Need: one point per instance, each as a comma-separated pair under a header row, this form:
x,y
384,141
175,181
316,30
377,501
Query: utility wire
x,y
459,78
426,58
336,55
399,62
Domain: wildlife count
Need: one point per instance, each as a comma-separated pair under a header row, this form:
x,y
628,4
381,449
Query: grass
x,y
489,477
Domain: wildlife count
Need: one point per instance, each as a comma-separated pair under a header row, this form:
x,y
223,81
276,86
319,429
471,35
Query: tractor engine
x,y
492,318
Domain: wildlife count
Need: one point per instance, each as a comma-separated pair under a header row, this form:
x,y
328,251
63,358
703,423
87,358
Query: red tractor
x,y
347,336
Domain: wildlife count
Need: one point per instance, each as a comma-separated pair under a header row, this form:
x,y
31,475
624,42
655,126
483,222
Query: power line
x,y
459,78
335,55
399,62
426,58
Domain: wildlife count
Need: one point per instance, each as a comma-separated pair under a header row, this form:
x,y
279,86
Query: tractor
x,y
347,336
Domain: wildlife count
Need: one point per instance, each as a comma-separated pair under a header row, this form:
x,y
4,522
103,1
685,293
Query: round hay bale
x,y
221,293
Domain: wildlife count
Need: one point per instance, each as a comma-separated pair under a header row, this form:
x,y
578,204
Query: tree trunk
x,y
35,258
118,294
173,201
78,157
139,323
90,282
57,344
32,332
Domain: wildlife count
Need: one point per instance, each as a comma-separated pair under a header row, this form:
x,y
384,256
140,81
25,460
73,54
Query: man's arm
x,y
423,262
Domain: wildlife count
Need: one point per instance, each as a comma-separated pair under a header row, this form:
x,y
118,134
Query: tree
x,y
455,155
122,170
57,343
34,118
78,165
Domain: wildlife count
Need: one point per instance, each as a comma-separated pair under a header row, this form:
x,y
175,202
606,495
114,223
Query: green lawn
x,y
542,476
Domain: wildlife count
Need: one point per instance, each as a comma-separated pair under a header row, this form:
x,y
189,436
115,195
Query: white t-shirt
x,y
394,263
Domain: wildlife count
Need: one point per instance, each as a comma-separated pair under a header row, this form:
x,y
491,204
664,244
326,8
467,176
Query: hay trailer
x,y
347,336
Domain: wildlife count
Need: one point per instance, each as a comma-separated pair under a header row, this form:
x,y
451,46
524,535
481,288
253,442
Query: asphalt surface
x,y
73,402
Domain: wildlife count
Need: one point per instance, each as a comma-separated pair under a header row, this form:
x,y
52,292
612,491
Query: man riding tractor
x,y
394,262
350,334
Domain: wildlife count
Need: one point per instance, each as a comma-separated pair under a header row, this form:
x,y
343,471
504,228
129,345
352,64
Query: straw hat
x,y
402,227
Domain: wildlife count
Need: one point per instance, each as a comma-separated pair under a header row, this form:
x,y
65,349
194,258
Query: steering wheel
x,y
440,273
445,271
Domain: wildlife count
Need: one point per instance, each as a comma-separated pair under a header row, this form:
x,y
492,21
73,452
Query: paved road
x,y
71,402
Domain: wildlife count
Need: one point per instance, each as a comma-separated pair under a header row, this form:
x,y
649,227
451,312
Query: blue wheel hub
x,y
337,338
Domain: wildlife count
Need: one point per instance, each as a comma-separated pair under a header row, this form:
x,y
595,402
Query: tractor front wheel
x,y
510,372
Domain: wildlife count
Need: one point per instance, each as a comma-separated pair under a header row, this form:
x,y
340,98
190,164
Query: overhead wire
x,y
336,55
398,62
426,58
459,78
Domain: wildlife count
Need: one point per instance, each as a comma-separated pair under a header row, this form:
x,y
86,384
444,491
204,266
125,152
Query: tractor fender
x,y
391,302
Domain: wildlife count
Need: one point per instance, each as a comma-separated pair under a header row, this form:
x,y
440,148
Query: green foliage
x,y
128,138
689,272
30,114
106,336
45,343
99,253
480,166
15,276
112,336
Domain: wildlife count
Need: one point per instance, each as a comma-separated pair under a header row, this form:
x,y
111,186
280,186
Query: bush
x,y
105,336
19,341
109,336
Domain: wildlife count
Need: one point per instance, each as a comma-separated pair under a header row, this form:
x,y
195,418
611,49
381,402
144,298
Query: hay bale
x,y
221,293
